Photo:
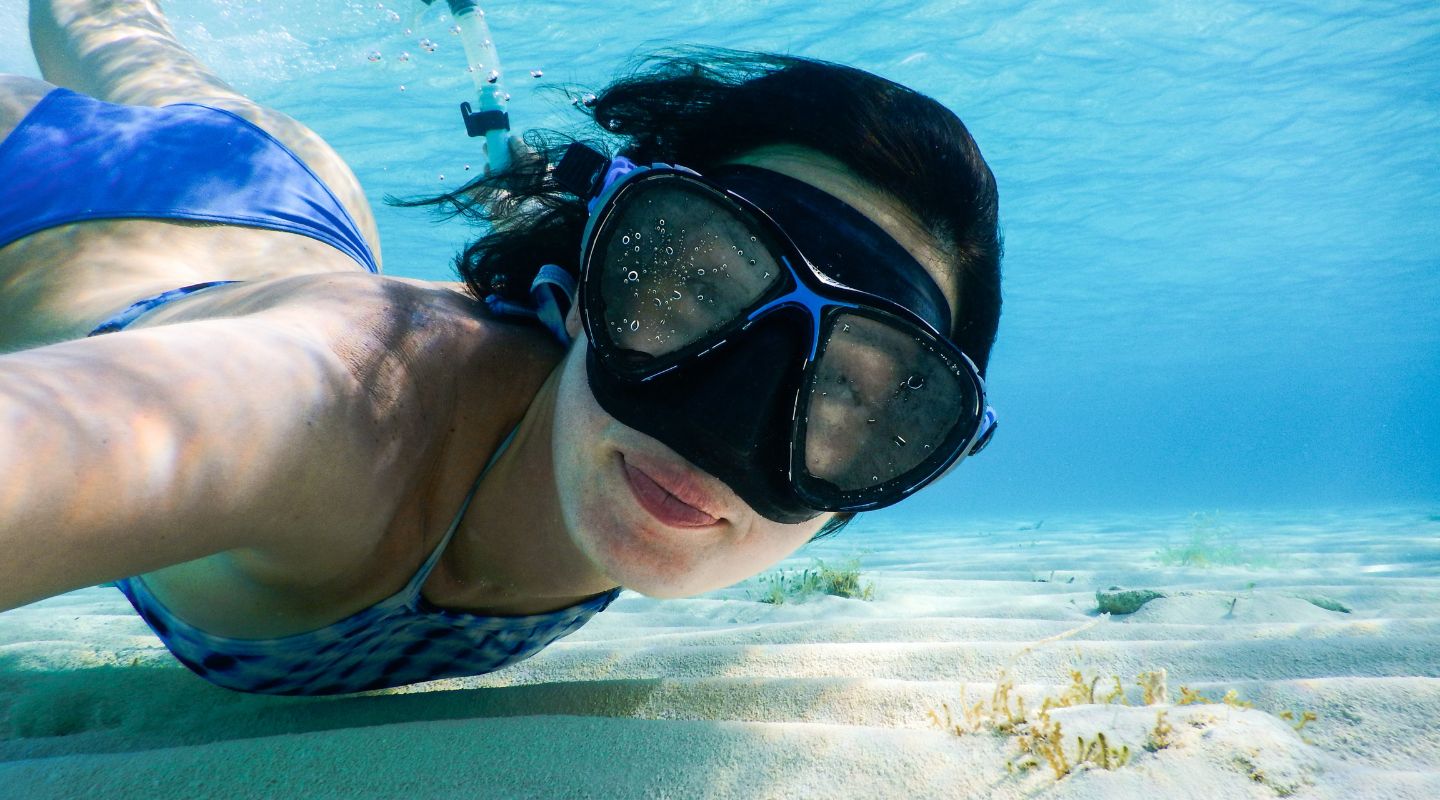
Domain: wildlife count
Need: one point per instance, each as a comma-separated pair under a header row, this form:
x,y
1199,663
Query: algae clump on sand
x,y
1212,543
1102,730
782,586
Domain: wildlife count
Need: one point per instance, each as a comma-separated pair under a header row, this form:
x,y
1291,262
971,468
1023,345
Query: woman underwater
x,y
310,478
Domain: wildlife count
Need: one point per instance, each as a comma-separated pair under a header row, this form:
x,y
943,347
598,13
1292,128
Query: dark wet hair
x,y
702,107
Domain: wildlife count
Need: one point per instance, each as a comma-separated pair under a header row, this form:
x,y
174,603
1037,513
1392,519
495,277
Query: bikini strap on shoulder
x,y
418,580
552,293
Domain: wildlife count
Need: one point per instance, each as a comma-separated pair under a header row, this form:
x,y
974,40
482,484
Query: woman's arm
x,y
125,453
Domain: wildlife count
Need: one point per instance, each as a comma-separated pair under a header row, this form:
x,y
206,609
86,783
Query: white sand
x,y
722,696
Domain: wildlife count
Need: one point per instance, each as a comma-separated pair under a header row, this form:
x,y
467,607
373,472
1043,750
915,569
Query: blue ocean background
x,y
1222,220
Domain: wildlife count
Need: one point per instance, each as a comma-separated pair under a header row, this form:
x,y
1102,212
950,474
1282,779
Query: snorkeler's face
x,y
643,515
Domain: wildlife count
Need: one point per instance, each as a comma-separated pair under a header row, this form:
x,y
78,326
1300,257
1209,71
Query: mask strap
x,y
988,421
590,175
619,167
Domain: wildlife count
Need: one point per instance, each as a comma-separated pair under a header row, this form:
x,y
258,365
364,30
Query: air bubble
x,y
914,382
625,239
675,295
662,223
429,46
700,271
635,325
632,277
669,251
870,421
752,238
391,16
637,248
373,55
536,73
899,441
404,56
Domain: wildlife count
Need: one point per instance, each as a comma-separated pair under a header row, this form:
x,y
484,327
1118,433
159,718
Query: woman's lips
x,y
661,503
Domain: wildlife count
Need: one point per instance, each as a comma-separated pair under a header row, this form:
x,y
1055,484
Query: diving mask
x,y
771,335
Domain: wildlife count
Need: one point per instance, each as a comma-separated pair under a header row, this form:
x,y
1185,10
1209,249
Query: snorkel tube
x,y
491,120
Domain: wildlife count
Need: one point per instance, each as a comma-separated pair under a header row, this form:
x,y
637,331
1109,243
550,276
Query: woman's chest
x,y
239,595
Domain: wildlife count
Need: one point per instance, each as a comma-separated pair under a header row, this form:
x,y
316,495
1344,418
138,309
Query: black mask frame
x,y
823,300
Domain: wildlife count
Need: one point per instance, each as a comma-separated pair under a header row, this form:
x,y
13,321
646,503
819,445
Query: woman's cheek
x,y
576,436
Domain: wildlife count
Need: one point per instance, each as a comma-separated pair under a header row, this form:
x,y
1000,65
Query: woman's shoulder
x,y
430,322
408,347
371,313
424,364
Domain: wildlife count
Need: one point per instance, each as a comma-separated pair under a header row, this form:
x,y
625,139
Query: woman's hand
x,y
521,154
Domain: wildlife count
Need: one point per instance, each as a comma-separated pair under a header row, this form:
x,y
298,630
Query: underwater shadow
x,y
117,709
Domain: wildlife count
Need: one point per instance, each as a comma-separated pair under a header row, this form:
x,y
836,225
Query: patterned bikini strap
x,y
416,582
552,292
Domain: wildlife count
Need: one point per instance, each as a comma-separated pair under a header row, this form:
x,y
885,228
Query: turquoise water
x,y
1222,221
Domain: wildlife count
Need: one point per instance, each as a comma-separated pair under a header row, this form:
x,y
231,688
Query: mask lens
x,y
677,264
884,400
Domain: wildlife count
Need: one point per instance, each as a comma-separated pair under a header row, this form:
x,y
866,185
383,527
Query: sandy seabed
x,y
722,696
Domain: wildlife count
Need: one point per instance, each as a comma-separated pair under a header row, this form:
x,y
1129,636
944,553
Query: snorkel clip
x,y
491,121
479,123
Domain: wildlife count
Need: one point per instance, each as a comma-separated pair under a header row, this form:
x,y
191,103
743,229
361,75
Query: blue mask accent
x,y
840,242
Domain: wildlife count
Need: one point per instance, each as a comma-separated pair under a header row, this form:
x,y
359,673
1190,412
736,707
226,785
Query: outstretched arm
x,y
125,453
